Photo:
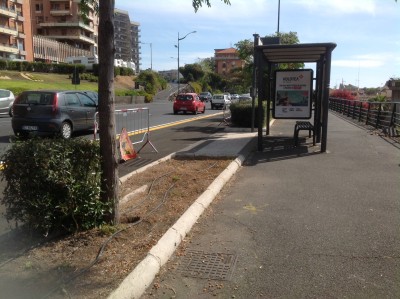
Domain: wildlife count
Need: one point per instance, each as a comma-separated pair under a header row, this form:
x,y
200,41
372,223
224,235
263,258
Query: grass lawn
x,y
15,82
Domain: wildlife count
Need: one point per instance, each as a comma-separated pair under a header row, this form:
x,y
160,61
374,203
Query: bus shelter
x,y
272,85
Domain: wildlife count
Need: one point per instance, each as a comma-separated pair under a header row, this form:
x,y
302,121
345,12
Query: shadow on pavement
x,y
281,148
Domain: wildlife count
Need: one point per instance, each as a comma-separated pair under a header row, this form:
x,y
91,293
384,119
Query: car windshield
x,y
184,97
4,93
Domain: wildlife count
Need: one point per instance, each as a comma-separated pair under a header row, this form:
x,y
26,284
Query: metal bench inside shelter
x,y
303,125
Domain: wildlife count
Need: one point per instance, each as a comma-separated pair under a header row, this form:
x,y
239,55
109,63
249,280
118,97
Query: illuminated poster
x,y
293,94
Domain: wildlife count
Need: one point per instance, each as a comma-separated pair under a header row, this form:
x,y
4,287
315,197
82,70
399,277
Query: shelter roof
x,y
278,53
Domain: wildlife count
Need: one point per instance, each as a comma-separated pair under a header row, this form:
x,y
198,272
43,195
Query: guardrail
x,y
226,115
135,121
379,115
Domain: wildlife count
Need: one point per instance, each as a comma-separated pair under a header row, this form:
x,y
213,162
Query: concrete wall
x,y
129,99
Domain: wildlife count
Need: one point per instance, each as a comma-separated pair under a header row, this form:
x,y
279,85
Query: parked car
x,y
188,102
6,102
220,101
234,97
205,96
244,97
228,94
94,95
52,112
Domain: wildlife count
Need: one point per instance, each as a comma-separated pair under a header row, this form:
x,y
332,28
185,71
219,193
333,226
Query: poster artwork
x,y
126,147
293,94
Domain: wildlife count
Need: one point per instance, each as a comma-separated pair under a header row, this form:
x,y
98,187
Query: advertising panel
x,y
293,94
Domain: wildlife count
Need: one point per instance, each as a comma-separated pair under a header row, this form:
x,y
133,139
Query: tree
x,y
198,3
108,142
207,64
192,72
245,50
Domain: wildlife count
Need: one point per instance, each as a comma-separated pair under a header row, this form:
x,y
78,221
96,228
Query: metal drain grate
x,y
218,266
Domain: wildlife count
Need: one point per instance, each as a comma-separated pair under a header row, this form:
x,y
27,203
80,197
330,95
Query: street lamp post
x,y
179,39
151,54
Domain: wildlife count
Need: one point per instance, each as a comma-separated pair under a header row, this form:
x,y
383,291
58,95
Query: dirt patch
x,y
93,263
124,82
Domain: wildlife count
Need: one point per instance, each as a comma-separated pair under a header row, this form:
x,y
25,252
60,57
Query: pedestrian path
x,y
297,223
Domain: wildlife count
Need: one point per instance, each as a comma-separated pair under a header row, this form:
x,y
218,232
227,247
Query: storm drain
x,y
199,264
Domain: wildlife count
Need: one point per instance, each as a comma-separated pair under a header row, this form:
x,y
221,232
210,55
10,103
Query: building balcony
x,y
21,35
226,57
68,24
20,18
23,52
8,30
12,49
60,12
80,37
8,12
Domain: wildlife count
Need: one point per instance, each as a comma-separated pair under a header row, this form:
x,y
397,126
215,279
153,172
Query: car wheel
x,y
212,107
66,130
195,111
175,112
204,110
10,112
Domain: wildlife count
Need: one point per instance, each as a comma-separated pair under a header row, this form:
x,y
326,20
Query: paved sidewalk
x,y
295,223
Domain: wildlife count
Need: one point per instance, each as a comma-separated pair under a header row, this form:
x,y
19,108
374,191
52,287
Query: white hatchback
x,y
6,102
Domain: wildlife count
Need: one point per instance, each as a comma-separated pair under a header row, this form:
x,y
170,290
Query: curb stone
x,y
136,283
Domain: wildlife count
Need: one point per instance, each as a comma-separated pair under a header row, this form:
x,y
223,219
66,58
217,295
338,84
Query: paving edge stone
x,y
136,283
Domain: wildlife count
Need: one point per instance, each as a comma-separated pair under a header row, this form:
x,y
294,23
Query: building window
x,y
39,7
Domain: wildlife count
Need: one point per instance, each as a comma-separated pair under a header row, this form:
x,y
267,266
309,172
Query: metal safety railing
x,y
226,115
135,121
379,115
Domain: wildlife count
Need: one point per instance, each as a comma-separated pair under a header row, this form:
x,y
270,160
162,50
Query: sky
x,y
367,32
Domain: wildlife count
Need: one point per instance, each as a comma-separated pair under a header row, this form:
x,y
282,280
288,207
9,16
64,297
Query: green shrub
x,y
53,184
148,98
241,114
3,64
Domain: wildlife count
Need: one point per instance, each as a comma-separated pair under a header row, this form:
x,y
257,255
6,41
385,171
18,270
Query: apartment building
x,y
15,30
226,60
60,20
122,35
135,44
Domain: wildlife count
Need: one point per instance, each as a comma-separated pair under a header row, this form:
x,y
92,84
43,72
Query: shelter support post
x,y
317,105
325,99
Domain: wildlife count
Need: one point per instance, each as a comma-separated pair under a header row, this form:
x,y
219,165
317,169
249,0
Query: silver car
x,y
6,102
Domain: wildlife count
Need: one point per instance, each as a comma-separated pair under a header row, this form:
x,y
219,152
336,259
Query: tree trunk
x,y
108,142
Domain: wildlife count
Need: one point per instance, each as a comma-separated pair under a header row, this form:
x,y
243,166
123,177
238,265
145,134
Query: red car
x,y
188,102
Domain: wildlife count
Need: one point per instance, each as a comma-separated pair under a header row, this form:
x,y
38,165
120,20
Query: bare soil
x,y
124,82
91,264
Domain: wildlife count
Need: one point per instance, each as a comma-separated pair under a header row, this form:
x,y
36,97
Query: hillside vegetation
x,y
20,81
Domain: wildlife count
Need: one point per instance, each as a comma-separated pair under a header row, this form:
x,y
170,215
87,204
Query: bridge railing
x,y
379,115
